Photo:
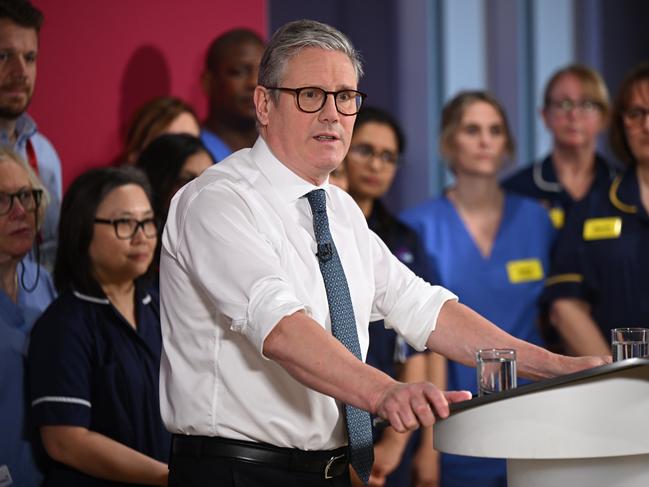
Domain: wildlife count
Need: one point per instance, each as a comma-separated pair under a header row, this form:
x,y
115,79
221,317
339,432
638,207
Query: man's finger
x,y
408,415
438,401
457,396
396,423
422,410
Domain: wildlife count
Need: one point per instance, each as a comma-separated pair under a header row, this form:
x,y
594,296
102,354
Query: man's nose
x,y
329,111
18,67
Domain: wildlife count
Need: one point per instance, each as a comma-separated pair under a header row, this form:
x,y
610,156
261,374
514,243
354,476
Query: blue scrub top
x,y
215,145
90,368
17,448
504,288
607,268
539,181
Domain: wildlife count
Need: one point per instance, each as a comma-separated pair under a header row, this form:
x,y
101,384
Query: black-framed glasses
x,y
311,99
29,200
635,116
366,152
126,228
582,106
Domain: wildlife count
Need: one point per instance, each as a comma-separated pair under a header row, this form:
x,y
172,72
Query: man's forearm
x,y
460,332
319,361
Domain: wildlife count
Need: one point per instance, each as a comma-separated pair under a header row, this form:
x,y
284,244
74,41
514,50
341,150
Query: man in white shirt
x,y
254,385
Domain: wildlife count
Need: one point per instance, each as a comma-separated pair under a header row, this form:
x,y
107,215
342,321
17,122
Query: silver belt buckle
x,y
331,461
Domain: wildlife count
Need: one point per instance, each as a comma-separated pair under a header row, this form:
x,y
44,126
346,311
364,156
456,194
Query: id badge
x,y
524,270
602,228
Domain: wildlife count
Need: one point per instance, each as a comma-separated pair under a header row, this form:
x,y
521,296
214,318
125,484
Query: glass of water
x,y
496,370
629,343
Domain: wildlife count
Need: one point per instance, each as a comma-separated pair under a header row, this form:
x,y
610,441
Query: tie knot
x,y
318,200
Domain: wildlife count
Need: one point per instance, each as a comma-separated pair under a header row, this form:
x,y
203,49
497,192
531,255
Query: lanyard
x,y
31,156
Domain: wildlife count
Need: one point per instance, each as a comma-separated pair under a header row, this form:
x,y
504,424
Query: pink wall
x,y
100,59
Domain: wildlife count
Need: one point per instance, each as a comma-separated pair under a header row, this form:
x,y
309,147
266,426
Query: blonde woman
x,y
491,247
25,291
575,111
599,277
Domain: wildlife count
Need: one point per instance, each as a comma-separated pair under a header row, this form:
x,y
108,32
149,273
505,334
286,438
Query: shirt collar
x,y
289,186
25,128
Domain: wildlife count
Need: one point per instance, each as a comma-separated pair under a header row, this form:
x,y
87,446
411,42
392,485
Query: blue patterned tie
x,y
343,325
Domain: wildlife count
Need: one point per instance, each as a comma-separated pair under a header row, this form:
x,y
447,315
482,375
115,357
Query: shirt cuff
x,y
416,321
270,301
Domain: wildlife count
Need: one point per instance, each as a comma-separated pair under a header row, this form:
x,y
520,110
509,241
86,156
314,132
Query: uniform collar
x,y
289,186
145,297
545,177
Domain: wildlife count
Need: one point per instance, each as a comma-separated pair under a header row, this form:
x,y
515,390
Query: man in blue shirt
x,y
20,24
229,80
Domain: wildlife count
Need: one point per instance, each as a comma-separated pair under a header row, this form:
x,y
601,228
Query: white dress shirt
x,y
238,255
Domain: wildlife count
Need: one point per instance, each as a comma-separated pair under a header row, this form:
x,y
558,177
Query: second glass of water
x,y
629,343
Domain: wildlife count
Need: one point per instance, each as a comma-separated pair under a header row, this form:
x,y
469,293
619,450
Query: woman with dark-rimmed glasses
x,y
575,111
25,291
95,353
599,278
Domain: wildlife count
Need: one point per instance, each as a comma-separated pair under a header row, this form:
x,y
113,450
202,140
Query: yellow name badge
x,y
525,270
602,228
558,217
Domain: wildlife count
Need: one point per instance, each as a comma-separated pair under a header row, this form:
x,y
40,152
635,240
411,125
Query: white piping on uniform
x,y
68,400
91,299
537,172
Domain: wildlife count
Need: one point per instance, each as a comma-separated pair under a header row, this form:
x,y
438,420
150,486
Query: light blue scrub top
x,y
504,287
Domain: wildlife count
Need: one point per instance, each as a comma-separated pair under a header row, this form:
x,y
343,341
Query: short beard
x,y
8,114
13,113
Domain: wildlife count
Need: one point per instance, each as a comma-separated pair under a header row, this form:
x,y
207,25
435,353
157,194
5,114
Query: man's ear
x,y
206,82
262,104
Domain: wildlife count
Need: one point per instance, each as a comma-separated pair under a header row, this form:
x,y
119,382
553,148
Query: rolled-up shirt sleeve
x,y
408,304
234,263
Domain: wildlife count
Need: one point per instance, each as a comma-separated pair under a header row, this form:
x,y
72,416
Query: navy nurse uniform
x,y
89,367
504,287
388,351
603,257
539,181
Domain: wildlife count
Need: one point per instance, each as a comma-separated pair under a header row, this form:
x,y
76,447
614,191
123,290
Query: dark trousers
x,y
224,471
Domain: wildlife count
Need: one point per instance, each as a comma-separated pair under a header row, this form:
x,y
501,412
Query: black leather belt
x,y
330,463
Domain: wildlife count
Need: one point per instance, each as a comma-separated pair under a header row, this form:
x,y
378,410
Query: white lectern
x,y
590,428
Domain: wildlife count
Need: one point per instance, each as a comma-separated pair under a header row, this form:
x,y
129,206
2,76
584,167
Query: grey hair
x,y
10,155
291,38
